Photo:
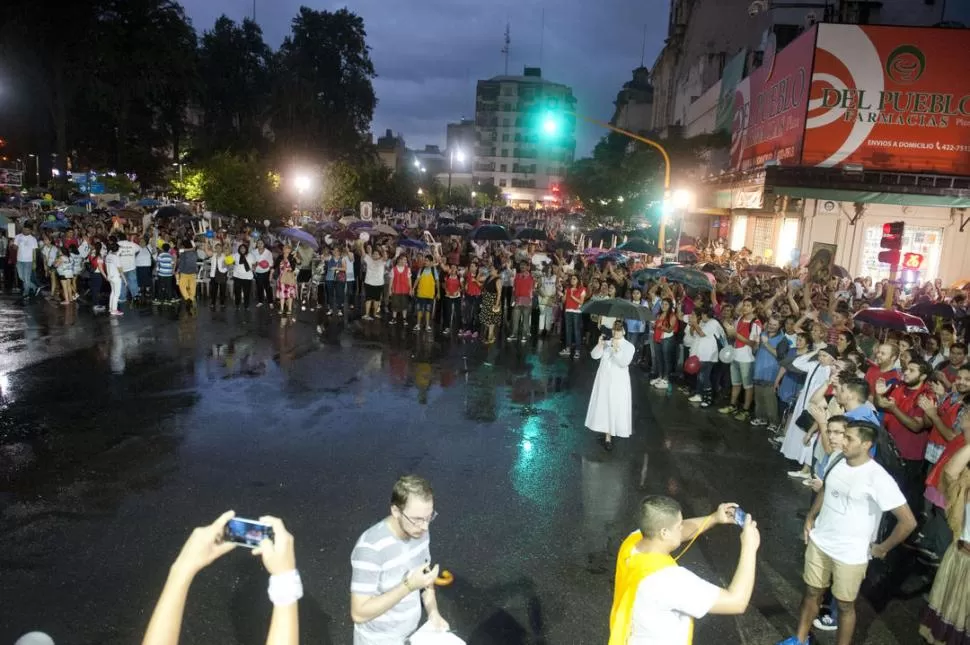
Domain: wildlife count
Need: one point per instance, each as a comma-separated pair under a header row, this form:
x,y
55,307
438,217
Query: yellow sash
x,y
631,569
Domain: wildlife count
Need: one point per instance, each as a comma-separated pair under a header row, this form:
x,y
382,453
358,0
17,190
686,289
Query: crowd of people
x,y
873,420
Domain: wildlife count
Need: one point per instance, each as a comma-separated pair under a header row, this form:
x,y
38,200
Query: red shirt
x,y
911,445
400,281
472,288
452,286
523,286
949,410
873,374
744,329
572,298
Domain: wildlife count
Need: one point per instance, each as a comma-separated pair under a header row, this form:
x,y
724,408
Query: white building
x,y
513,151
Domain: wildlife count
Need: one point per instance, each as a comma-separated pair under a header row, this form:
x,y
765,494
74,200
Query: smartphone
x,y
428,566
739,516
247,533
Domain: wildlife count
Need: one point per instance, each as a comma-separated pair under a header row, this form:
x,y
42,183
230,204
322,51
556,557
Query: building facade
x,y
634,103
391,150
512,151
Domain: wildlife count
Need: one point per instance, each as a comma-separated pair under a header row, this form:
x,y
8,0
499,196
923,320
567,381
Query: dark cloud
x,y
429,53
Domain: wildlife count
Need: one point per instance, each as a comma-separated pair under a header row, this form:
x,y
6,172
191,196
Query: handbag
x,y
805,420
288,279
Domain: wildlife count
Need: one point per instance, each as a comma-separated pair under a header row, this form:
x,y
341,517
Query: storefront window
x,y
739,229
764,236
926,241
787,242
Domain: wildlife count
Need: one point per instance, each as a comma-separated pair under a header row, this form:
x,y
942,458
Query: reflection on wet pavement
x,y
118,436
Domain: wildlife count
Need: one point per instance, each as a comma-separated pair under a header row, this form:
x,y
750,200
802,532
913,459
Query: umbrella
x,y
764,269
58,224
532,234
329,226
446,215
638,245
85,201
465,226
891,319
565,245
75,210
612,256
449,229
347,235
491,232
618,308
347,219
689,277
167,211
148,202
384,229
299,235
929,310
603,235
637,232
408,243
467,219
357,226
116,203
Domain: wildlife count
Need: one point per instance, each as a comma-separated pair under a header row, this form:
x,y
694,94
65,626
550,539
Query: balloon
x,y
692,365
726,355
266,223
230,260
263,264
210,234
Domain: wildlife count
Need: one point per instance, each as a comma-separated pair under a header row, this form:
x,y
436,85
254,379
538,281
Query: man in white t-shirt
x,y
840,528
26,245
127,250
668,597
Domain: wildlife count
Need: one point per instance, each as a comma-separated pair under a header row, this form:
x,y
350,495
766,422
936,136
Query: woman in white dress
x,y
610,410
818,367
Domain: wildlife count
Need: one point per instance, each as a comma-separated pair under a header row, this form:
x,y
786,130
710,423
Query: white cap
x,y
35,638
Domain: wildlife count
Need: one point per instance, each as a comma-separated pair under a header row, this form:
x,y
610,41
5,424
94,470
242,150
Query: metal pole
x,y
451,168
891,289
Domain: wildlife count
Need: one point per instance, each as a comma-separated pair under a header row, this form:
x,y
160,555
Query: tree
x,y
192,184
324,98
241,186
235,70
344,186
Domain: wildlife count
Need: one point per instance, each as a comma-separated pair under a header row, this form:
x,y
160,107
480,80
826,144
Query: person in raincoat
x,y
610,410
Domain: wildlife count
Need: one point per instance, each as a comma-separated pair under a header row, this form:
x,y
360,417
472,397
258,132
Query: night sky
x,y
428,54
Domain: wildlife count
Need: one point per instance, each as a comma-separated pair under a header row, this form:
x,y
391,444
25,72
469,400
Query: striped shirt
x,y
380,561
165,264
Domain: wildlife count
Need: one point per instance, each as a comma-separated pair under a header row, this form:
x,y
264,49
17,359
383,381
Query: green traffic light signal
x,y
550,124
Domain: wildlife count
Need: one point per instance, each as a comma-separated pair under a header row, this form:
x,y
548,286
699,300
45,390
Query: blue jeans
x,y
25,271
129,285
704,378
335,294
667,348
574,330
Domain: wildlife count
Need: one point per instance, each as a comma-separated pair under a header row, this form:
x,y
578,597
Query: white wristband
x,y
285,588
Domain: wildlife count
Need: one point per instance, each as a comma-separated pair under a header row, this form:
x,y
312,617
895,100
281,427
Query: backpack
x,y
887,454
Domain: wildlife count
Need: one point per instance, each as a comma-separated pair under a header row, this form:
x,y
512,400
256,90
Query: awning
x,y
871,197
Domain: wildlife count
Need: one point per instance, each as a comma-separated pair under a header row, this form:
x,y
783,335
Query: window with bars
x,y
764,235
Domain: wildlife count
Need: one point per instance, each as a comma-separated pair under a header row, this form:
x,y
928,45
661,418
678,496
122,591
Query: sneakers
x,y
728,409
742,415
524,339
417,328
654,381
799,474
367,318
392,321
117,312
512,339
427,327
706,403
446,332
661,384
565,352
756,422
772,428
697,398
825,623
793,640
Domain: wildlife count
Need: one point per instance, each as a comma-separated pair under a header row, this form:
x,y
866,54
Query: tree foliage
x,y
623,180
345,184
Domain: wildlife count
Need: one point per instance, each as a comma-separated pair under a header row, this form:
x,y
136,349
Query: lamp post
x,y
302,185
179,165
36,168
679,201
459,155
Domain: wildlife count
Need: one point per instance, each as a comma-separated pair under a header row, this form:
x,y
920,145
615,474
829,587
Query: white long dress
x,y
610,408
793,447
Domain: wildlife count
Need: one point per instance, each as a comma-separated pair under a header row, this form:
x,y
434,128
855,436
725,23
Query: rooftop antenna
x,y
505,48
254,10
643,47
542,35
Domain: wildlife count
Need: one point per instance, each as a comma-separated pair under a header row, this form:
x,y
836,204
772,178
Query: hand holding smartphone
x,y
247,533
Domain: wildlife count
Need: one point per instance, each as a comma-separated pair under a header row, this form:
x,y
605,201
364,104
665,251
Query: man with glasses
x,y
392,567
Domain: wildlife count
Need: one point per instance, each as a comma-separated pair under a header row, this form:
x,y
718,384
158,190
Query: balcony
x,y
485,152
485,166
524,169
523,183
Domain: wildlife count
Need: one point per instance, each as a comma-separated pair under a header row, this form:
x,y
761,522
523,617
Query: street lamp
x,y
179,165
302,184
36,168
679,200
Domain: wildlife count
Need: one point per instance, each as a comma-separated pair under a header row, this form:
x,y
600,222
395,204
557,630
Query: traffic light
x,y
912,261
892,242
551,124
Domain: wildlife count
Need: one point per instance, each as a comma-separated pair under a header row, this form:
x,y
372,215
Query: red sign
x,y
912,261
892,98
771,103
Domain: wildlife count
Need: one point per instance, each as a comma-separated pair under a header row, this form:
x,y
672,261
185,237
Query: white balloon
x,y
726,355
328,239
266,222
364,236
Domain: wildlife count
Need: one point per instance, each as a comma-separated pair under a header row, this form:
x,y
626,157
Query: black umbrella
x,y
490,232
565,245
167,211
929,310
638,245
603,234
532,234
449,229
467,218
618,308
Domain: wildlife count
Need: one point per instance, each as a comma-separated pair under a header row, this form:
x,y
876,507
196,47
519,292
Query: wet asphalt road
x,y
119,436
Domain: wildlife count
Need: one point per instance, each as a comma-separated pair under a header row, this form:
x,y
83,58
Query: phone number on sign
x,y
954,148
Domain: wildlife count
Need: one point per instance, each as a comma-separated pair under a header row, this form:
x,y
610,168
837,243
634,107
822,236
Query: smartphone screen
x,y
247,533
739,516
